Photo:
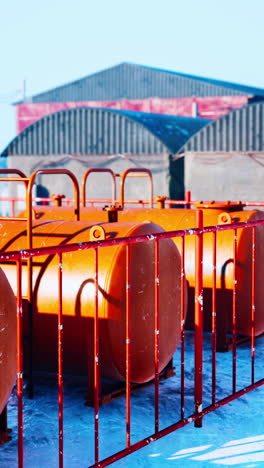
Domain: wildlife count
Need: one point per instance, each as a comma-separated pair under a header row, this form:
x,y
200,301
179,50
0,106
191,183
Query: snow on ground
x,y
231,436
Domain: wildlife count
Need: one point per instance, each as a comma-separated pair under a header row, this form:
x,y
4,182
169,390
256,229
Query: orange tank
x,y
7,340
78,296
174,219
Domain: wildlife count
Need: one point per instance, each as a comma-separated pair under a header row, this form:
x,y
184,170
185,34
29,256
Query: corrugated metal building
x,y
104,131
240,130
85,137
136,87
132,81
225,159
100,132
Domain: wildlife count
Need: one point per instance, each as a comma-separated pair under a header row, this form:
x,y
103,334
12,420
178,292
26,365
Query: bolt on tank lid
x,y
57,197
220,205
160,200
112,212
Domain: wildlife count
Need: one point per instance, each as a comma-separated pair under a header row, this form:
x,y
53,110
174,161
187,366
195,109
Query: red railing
x,y
14,201
187,203
160,201
198,412
135,172
101,171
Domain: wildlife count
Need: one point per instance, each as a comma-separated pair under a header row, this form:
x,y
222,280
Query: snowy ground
x,y
231,436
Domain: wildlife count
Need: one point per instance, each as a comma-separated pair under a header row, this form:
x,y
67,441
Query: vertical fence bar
x,y
60,362
96,365
30,289
214,331
234,314
253,304
157,330
198,321
182,325
20,365
13,204
188,199
128,344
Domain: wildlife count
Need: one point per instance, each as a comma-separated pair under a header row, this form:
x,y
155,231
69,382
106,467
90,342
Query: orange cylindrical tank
x,y
7,340
224,213
79,296
174,219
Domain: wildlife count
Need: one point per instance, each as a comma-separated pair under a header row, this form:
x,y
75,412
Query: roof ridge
x,y
197,77
246,89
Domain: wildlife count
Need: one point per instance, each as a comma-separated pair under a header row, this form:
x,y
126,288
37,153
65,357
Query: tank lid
x,y
220,205
160,200
112,212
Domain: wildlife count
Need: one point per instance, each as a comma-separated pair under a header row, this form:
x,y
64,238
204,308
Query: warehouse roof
x,y
133,81
86,130
241,130
170,129
244,89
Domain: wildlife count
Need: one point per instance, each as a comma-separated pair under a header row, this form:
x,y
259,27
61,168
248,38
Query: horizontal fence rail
x,y
10,206
198,341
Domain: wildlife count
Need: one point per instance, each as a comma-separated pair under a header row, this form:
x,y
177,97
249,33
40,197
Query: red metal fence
x,y
16,204
200,408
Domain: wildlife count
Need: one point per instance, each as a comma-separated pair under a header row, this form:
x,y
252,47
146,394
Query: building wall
x,y
225,176
205,107
98,185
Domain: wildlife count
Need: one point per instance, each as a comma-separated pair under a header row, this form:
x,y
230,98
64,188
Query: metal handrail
x,y
135,172
101,170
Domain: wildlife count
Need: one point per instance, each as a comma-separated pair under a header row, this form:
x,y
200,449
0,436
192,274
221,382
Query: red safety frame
x,y
98,170
130,172
186,203
135,172
199,412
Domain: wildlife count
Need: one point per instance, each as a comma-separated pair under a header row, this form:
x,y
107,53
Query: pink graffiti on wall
x,y
205,107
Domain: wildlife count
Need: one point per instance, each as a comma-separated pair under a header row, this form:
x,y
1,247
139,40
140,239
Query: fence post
x,y
20,366
198,321
188,199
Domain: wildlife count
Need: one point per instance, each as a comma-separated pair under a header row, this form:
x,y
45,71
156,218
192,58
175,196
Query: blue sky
x,y
53,42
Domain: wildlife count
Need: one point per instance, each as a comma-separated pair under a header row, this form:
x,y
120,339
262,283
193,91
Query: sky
x,y
47,44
